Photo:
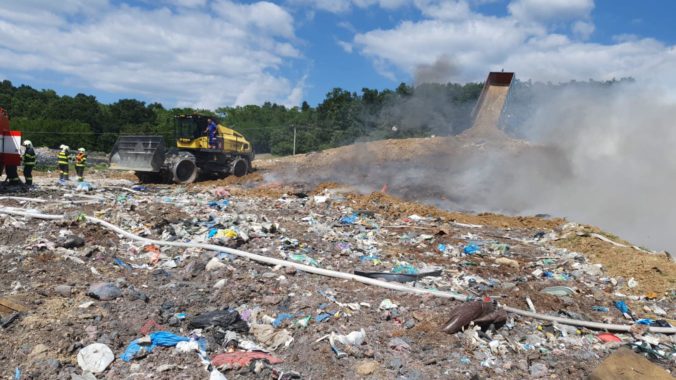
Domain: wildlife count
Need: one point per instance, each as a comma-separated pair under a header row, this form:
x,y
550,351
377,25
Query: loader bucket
x,y
138,153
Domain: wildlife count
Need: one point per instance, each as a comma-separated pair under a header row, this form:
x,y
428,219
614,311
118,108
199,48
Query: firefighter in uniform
x,y
62,160
80,163
12,175
29,160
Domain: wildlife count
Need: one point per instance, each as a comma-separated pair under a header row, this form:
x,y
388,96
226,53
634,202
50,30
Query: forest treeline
x,y
343,117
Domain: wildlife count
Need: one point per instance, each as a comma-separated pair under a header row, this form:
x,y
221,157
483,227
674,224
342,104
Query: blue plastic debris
x,y
139,188
181,316
212,233
281,318
557,276
441,247
471,249
323,317
17,373
622,307
121,263
219,204
465,360
404,268
601,309
226,256
350,219
645,321
202,344
84,186
157,338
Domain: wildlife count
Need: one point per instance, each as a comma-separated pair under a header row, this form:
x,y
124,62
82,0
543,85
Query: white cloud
x,y
264,16
583,29
188,3
547,10
445,10
333,6
476,44
346,46
343,6
232,54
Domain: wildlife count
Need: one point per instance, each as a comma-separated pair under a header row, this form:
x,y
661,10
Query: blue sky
x,y
210,53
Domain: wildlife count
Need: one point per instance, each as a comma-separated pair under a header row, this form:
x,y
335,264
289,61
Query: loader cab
x,y
190,131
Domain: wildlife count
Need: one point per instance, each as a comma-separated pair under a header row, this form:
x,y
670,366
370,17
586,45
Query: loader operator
x,y
211,131
29,160
62,160
80,162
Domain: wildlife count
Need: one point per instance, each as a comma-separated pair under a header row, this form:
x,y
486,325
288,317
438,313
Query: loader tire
x,y
239,167
183,168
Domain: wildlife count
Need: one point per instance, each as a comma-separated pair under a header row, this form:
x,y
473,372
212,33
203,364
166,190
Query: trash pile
x,y
81,301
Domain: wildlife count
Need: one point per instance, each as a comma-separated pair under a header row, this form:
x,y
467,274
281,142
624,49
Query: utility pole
x,y
294,140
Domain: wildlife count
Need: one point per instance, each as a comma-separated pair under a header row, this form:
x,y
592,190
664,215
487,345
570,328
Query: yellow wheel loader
x,y
193,156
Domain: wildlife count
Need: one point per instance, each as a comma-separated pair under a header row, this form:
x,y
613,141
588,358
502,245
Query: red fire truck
x,y
10,143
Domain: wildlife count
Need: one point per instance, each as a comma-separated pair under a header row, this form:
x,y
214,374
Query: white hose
x,y
39,200
337,274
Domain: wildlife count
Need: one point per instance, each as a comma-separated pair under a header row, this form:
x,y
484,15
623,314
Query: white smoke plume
x,y
614,167
596,154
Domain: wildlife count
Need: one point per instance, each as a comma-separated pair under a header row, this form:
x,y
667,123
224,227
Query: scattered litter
x,y
234,360
506,261
271,307
559,291
404,268
141,347
387,304
281,318
478,312
305,259
95,358
355,338
226,319
398,277
104,291
632,283
471,249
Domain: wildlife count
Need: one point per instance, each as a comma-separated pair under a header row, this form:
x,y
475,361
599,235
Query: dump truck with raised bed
x,y
489,108
153,160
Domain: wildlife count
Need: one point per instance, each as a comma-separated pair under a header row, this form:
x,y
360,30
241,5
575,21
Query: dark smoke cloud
x,y
429,108
443,70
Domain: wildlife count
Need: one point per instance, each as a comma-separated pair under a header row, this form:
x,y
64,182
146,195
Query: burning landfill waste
x,y
244,278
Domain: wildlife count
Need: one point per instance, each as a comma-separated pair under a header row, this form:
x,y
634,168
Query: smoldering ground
x,y
598,155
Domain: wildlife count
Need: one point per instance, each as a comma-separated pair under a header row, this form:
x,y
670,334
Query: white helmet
x,y
65,147
27,143
81,150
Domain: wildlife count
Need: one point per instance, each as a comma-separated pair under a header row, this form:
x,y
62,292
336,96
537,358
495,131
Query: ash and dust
x,y
596,155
